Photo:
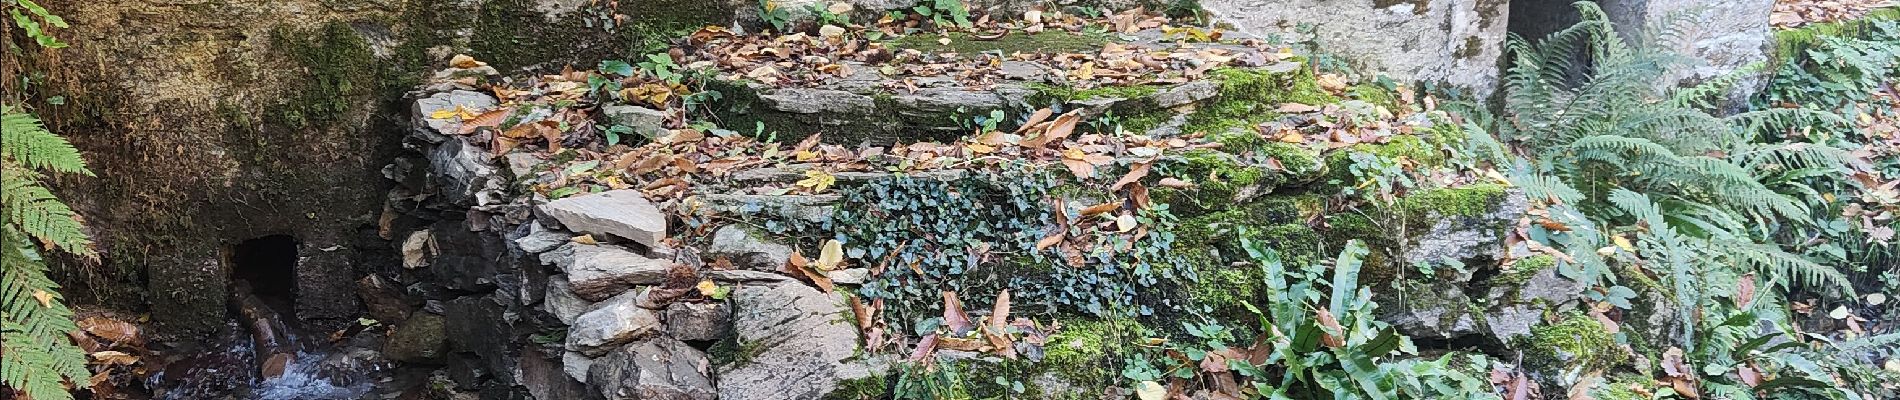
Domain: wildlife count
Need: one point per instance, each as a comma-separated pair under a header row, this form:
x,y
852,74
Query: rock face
x,y
1448,41
624,213
1722,35
611,323
804,347
598,272
660,369
748,248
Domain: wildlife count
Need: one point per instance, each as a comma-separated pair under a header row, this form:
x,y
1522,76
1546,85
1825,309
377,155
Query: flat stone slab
x,y
624,213
599,272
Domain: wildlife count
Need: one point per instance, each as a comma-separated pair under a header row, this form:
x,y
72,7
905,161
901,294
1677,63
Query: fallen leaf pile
x,y
1797,13
803,60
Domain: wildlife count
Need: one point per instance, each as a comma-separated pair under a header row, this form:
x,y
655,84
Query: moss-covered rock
x,y
513,34
1577,342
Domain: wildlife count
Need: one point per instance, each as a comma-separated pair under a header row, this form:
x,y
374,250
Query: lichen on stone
x,y
1576,342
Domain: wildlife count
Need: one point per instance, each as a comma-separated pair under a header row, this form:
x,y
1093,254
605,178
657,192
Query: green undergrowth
x,y
1792,43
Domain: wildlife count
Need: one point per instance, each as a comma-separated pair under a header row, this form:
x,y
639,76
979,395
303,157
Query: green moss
x,y
1462,201
1578,341
866,388
1791,43
1523,270
1248,97
1626,387
1373,93
511,34
1059,93
340,71
1406,147
1077,359
732,351
1042,42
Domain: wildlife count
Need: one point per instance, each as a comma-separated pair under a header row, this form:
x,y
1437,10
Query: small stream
x,y
259,355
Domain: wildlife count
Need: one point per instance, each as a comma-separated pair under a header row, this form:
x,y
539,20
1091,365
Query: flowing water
x,y
261,356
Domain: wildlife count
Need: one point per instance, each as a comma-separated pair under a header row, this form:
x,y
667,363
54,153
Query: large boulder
x,y
660,368
623,213
802,346
617,321
597,272
1448,41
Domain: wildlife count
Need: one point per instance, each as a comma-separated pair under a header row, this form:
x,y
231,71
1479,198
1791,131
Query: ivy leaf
x,y
616,67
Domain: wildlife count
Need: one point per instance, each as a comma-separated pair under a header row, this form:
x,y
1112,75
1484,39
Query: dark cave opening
x,y
1535,19
268,265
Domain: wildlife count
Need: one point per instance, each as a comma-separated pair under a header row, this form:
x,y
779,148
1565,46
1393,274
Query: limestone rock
x,y
849,276
438,129
1436,310
742,276
540,239
646,122
562,302
1466,237
624,213
698,321
598,272
418,339
1184,94
611,323
815,101
748,248
576,365
804,347
660,369
813,208
1456,42
466,174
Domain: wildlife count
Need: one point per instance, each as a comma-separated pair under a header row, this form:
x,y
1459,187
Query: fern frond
x,y
25,141
34,322
1772,261
36,212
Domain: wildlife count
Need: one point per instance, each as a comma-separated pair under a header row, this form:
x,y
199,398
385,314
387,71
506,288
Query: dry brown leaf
x,y
1135,173
489,119
1101,208
112,330
1034,119
953,315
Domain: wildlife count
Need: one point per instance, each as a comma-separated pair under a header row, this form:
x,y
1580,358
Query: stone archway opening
x,y
268,266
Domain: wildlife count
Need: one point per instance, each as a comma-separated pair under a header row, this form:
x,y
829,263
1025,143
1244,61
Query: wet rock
x,y
598,272
561,301
646,122
660,368
545,376
465,174
540,239
421,338
611,323
483,330
466,260
435,130
383,298
804,348
624,213
698,321
748,248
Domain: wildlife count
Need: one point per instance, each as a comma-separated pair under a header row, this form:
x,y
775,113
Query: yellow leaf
x,y
446,113
1150,390
817,180
45,298
1495,175
708,288
980,148
1623,243
830,256
805,155
585,239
